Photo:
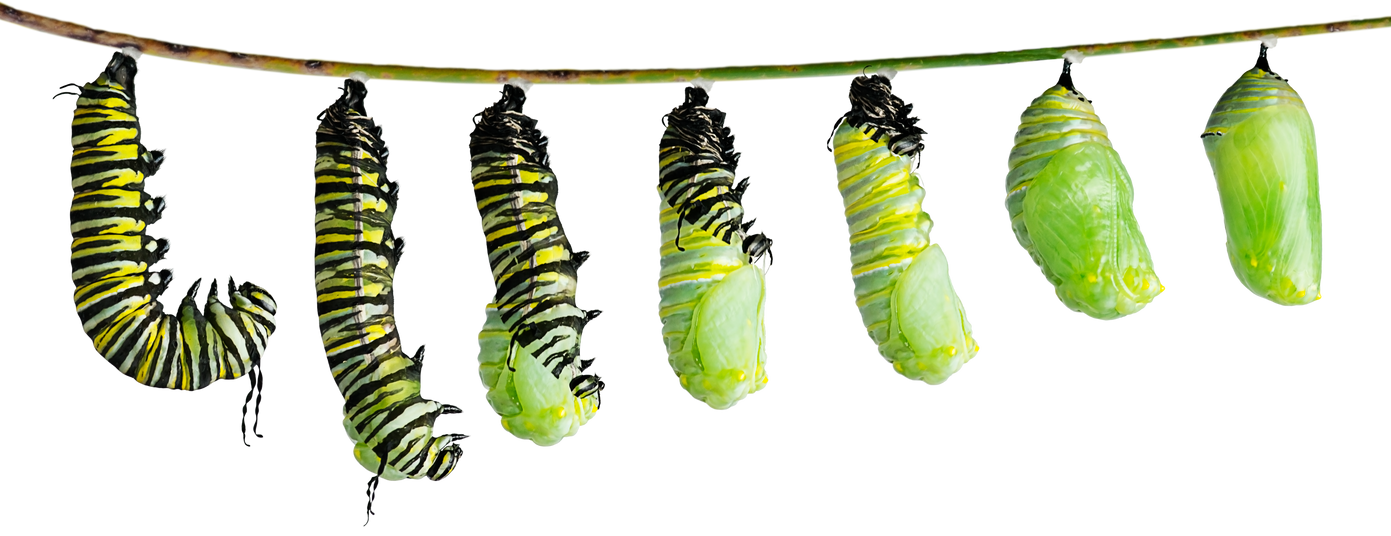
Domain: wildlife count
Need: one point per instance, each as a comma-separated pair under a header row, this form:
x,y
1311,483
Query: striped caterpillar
x,y
529,348
902,287
1069,201
355,259
712,296
116,293
1260,142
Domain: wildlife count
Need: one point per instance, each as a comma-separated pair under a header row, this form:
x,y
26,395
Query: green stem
x,y
642,76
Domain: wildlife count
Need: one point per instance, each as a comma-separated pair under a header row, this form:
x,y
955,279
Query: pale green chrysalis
x,y
1260,143
1070,203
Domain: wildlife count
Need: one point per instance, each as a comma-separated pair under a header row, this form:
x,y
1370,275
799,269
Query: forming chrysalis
x,y
905,296
1070,202
712,293
529,348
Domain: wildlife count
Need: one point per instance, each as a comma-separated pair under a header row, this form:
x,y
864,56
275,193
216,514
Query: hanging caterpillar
x,y
529,349
712,296
116,293
1260,142
902,287
355,259
1069,201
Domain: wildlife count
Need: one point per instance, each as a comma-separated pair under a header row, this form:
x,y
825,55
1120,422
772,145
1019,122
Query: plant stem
x,y
408,71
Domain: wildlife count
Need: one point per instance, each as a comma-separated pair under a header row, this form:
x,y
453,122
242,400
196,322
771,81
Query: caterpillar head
x,y
436,462
874,107
253,294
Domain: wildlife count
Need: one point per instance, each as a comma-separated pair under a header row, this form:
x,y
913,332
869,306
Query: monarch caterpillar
x,y
902,287
1260,142
712,297
1069,201
355,258
116,294
529,349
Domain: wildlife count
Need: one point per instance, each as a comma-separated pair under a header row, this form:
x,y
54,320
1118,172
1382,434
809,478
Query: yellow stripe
x,y
128,282
883,263
109,115
118,152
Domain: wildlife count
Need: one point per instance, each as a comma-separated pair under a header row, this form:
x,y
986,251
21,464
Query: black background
x,y
1206,373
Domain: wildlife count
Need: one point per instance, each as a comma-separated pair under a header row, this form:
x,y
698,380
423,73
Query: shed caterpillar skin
x,y
355,259
902,286
1260,142
116,293
529,348
712,294
1069,200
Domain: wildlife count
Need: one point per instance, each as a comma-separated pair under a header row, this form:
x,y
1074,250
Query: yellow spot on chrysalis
x,y
740,376
1254,263
528,425
1318,297
921,365
765,379
1091,278
951,351
1300,294
560,412
1096,208
898,367
1145,285
683,381
506,426
1161,287
1282,186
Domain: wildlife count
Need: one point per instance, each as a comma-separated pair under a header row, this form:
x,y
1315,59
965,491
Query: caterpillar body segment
x,y
1069,200
116,292
529,348
355,258
1260,142
712,295
902,286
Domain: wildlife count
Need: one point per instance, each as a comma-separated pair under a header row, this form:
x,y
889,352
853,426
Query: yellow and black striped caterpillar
x,y
355,258
712,294
529,349
116,294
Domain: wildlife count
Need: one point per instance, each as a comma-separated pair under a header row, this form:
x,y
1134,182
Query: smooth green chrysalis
x,y
1070,202
1260,142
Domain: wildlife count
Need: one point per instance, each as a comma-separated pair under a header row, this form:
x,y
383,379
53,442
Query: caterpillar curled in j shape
x,y
116,290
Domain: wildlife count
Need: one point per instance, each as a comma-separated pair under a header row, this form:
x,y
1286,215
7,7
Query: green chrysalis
x,y
1260,143
1070,202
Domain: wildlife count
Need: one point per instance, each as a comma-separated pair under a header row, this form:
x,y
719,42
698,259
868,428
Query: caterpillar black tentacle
x,y
116,293
355,259
529,348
